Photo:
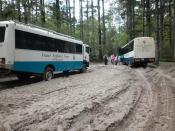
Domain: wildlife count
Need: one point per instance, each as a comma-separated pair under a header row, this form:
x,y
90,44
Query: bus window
x,y
127,48
88,50
78,49
59,45
66,48
2,34
72,47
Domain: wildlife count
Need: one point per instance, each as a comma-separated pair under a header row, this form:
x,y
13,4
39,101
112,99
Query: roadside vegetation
x,y
104,29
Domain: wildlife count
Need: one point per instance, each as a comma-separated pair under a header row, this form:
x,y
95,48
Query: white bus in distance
x,y
29,50
139,51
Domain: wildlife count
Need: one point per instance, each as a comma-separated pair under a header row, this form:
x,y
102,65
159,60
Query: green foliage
x,y
122,39
57,17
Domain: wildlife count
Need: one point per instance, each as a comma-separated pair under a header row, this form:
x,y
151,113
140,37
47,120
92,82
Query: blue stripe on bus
x,y
39,67
128,60
131,60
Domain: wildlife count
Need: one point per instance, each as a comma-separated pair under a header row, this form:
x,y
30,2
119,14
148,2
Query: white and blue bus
x,y
140,51
29,50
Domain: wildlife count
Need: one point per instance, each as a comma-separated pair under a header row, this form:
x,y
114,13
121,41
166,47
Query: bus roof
x,y
137,38
41,30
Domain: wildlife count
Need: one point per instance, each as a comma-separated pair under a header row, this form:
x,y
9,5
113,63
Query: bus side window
x,y
40,42
72,47
19,40
66,47
59,45
88,50
79,49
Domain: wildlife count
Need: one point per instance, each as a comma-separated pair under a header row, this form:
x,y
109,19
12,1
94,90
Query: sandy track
x,y
97,100
155,110
106,98
163,107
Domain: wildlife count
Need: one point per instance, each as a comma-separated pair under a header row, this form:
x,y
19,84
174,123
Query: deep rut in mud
x,y
106,98
155,110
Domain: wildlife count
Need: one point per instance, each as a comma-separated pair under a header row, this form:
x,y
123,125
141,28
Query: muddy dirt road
x,y
106,98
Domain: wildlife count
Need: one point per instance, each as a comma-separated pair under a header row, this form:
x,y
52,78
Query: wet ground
x,y
105,98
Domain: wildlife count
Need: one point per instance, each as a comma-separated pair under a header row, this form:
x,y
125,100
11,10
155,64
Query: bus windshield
x,y
2,34
126,49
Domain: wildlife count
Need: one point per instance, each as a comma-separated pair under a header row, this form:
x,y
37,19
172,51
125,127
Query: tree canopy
x,y
103,29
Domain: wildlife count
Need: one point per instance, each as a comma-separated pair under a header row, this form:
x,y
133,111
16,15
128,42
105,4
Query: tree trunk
x,y
42,11
58,17
18,2
143,18
161,25
36,10
32,10
174,29
87,15
0,9
29,10
92,9
157,32
24,3
133,19
104,27
0,5
129,18
81,20
74,16
148,18
99,31
69,20
67,16
170,27
92,26
87,9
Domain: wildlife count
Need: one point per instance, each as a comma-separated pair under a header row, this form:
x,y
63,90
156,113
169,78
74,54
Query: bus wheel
x,y
48,74
144,65
83,70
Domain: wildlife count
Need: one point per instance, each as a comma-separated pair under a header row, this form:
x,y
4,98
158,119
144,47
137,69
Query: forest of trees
x,y
155,18
104,30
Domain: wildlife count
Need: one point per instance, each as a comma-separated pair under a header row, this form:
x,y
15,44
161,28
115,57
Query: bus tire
x,y
144,65
48,74
83,70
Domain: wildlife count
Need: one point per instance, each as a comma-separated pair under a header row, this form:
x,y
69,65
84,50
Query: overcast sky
x,y
77,8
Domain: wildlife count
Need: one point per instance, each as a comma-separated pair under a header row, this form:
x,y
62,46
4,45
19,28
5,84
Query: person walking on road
x,y
112,59
105,58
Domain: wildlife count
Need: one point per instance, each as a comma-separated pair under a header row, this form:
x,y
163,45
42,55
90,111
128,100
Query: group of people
x,y
114,59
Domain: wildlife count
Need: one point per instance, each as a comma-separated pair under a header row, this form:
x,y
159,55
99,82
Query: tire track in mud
x,y
140,110
114,126
104,109
162,117
95,107
155,111
20,125
100,117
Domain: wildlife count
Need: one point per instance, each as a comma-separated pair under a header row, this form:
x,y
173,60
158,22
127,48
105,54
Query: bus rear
x,y
144,49
7,46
